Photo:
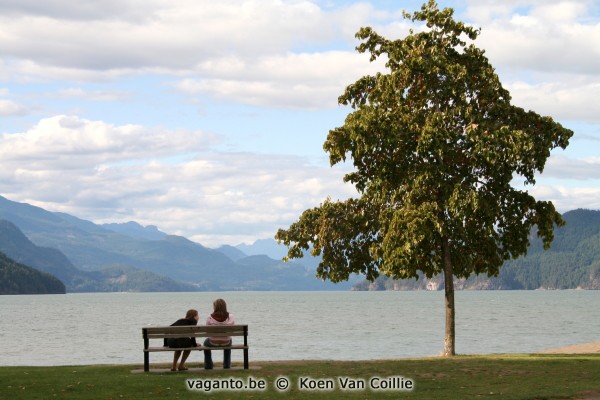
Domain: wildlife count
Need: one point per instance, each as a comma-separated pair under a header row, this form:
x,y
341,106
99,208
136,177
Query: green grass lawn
x,y
461,377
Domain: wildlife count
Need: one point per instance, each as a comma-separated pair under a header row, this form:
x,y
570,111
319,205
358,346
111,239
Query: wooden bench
x,y
163,332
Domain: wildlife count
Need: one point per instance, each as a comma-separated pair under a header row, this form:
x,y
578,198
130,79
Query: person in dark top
x,y
191,318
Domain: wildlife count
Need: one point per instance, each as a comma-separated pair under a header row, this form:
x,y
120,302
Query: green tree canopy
x,y
435,144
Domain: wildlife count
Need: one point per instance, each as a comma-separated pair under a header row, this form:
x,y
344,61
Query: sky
x,y
207,119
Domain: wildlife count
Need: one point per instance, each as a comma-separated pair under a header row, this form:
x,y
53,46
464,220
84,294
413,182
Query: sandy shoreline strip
x,y
584,348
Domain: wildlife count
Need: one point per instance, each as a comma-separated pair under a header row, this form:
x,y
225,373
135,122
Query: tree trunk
x,y
449,338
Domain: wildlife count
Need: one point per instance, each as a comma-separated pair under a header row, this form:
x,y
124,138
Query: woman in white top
x,y
220,316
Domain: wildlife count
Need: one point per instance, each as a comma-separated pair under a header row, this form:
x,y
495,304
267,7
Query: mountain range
x,y
14,244
87,257
129,257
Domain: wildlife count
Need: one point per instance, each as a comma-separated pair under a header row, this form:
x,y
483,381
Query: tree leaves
x,y
435,143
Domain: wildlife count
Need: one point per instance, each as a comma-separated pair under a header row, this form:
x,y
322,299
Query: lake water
x,y
105,328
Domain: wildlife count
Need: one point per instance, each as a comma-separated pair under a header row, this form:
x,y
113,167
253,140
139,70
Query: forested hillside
x,y
17,278
573,261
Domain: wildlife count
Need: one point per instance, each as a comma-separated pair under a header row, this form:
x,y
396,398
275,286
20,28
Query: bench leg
x,y
245,358
146,361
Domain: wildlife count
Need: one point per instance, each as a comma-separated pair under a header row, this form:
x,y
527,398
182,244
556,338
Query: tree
x,y
435,144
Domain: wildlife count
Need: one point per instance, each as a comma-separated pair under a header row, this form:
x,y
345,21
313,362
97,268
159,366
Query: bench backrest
x,y
158,332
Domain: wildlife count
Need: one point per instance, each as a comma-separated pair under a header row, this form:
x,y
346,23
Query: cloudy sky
x,y
207,118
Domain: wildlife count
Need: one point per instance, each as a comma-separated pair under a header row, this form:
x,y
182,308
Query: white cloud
x,y
568,98
572,169
215,44
568,198
72,141
309,81
10,108
550,37
547,53
564,11
112,173
95,95
251,58
485,10
176,35
81,10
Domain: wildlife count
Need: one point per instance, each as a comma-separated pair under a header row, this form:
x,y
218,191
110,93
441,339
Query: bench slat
x,y
192,334
208,329
197,332
234,347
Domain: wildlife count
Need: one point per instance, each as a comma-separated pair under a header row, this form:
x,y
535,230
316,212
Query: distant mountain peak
x,y
232,252
268,247
136,230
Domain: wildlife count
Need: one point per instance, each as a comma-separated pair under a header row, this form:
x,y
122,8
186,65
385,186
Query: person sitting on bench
x,y
191,318
220,316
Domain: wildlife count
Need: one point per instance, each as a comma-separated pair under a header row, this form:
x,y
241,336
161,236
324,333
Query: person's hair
x,y
220,308
191,314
